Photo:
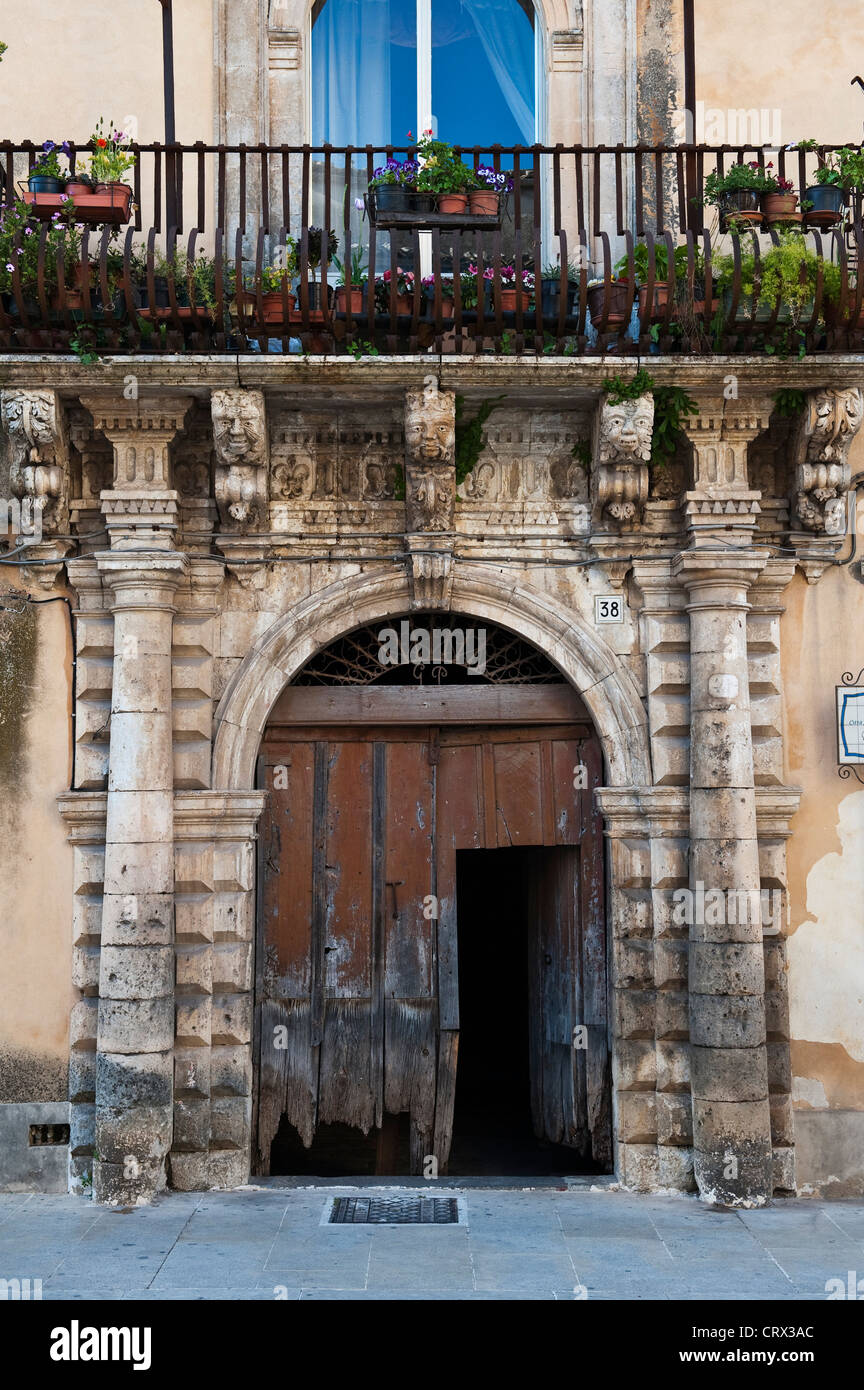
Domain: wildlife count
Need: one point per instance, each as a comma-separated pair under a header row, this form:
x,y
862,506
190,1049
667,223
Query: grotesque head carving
x,y
430,425
239,427
625,431
833,419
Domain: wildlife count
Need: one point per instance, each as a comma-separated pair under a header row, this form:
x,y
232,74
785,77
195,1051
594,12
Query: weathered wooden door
x,y
357,970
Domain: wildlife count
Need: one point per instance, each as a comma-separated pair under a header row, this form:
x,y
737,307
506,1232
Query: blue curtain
x,y
351,73
511,62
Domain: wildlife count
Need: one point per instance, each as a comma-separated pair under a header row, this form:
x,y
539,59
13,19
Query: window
x,y
382,68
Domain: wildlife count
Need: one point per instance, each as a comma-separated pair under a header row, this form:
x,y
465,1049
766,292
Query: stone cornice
x,y
629,811
197,374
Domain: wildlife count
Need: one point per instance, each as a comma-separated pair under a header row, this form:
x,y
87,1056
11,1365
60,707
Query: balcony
x,y
576,264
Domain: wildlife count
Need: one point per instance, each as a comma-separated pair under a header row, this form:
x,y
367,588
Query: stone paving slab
x,y
267,1242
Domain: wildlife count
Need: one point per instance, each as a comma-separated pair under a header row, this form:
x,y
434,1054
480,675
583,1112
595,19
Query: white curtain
x,y
512,63
351,73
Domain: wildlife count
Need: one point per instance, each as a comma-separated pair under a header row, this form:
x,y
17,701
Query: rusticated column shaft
x,y
729,1079
135,1040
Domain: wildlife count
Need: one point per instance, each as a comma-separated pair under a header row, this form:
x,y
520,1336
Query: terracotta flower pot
x,y
660,297
510,296
452,202
620,304
273,306
404,304
75,189
343,298
483,203
776,206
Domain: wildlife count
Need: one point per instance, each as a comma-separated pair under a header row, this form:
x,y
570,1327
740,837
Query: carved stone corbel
x,y
822,474
39,468
242,449
430,458
620,454
821,456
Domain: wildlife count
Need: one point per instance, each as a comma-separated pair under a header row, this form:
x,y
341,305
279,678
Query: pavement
x,y
268,1242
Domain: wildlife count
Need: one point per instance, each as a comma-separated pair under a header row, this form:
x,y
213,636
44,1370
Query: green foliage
x,y
789,402
399,483
788,272
618,389
3,48
359,347
17,226
843,169
581,452
443,171
737,178
672,406
359,270
470,439
661,270
111,157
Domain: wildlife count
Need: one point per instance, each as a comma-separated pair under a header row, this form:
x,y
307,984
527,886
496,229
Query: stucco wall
x,y
68,63
821,636
36,883
793,57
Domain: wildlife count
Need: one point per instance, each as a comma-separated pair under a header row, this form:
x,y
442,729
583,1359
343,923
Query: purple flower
x,y
10,268
358,203
48,146
55,216
28,231
64,197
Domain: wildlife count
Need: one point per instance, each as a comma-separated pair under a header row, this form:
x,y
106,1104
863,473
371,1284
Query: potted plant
x,y
787,274
780,202
443,173
110,159
517,289
315,254
78,186
193,283
737,194
394,186
351,296
550,289
47,176
444,284
840,173
620,301
275,287
485,199
663,285
404,291
468,287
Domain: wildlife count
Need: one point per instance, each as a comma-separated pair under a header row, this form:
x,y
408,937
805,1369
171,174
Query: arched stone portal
x,y
642,823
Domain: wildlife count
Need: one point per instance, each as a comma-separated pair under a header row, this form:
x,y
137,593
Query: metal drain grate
x,y
394,1211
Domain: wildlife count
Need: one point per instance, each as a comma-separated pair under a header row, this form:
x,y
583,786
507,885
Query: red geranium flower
x,y
101,144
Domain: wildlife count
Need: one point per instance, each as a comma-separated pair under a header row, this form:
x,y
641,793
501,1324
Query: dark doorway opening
x,y
503,970
340,1151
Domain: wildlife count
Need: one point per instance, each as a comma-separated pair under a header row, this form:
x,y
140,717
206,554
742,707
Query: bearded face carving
x,y
242,457
821,451
619,475
625,431
430,454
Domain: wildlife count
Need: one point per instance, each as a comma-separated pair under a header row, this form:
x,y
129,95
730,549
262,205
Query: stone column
x,y
135,1035
728,1059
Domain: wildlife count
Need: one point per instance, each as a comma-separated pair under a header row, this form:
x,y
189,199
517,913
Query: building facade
x,y
234,838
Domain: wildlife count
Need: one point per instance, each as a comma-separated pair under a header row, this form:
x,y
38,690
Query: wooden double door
x,y
357,1006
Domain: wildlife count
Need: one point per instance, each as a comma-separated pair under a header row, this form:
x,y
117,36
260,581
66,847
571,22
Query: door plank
x,y
423,704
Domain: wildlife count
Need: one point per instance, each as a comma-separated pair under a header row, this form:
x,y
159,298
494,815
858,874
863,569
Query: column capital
x,y
721,501
142,582
141,507
724,570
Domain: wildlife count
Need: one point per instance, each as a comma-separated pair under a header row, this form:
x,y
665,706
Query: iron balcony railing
x,y
234,210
